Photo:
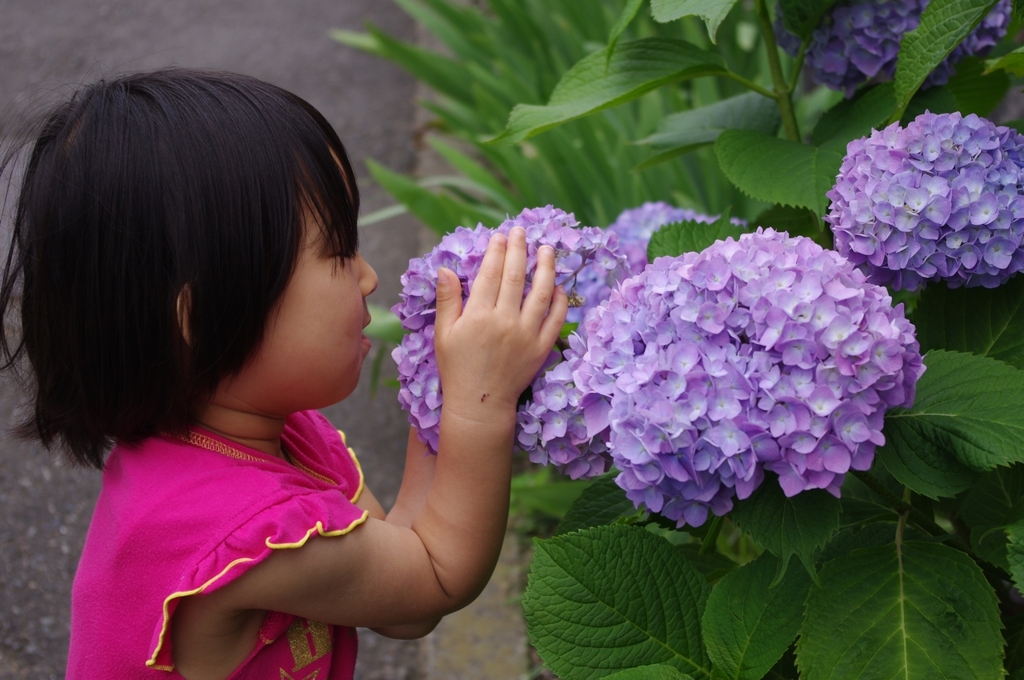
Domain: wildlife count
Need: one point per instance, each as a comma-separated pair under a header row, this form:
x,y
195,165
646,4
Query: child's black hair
x,y
145,197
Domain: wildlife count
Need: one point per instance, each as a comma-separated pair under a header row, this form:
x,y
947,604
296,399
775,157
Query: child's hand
x,y
490,351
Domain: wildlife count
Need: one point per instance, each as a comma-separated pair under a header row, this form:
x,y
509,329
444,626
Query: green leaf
x,y
789,526
858,537
713,565
919,611
538,492
596,83
975,92
747,624
778,170
711,11
383,214
993,503
611,598
602,502
861,505
1015,553
944,25
803,16
853,118
689,130
1012,63
677,238
568,328
934,99
384,325
794,221
629,13
1014,636
984,321
968,417
439,212
475,172
444,75
657,672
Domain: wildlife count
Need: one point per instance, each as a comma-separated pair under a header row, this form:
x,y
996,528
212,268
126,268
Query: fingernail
x,y
518,229
548,249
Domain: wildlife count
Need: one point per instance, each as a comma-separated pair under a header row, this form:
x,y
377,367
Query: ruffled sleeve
x,y
286,522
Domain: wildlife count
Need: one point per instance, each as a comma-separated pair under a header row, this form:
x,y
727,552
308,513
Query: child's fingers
x,y
539,300
449,301
553,322
513,277
484,292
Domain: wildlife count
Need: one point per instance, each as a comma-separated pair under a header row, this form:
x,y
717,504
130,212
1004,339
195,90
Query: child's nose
x,y
367,277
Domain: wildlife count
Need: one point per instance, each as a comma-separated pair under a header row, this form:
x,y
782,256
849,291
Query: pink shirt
x,y
176,518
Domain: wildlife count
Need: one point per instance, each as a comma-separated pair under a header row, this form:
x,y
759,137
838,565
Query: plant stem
x,y
709,544
782,89
751,85
798,65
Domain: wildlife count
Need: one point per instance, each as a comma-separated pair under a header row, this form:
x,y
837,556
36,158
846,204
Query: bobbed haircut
x,y
145,197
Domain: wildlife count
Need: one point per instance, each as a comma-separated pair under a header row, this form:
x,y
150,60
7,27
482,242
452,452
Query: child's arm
x,y
383,574
418,474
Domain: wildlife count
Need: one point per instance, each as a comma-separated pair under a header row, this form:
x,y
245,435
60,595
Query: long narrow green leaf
x,y
595,84
476,172
445,75
441,213
944,25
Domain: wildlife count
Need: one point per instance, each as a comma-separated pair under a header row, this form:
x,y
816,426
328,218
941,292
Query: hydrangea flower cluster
x,y
939,200
857,41
767,353
634,227
462,251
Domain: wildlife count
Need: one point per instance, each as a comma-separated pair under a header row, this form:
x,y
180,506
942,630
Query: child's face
x,y
313,346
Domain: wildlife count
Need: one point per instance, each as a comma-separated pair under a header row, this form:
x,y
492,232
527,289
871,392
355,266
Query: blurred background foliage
x,y
498,53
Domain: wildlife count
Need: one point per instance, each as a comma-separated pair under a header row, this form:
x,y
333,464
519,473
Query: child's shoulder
x,y
171,479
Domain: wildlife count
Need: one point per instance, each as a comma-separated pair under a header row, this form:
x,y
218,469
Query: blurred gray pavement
x,y
48,47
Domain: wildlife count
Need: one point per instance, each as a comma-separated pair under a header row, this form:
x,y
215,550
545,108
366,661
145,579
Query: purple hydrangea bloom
x,y
939,200
634,227
858,41
462,251
767,353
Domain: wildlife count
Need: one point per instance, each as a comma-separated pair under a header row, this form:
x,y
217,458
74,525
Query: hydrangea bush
x,y
859,41
938,200
462,251
769,353
759,430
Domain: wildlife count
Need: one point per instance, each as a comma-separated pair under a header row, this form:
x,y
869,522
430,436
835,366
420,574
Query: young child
x,y
186,279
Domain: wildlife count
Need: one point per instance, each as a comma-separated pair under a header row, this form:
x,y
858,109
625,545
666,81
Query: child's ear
x,y
184,309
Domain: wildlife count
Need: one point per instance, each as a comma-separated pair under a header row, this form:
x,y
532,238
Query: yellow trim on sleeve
x,y
319,528
359,468
167,617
